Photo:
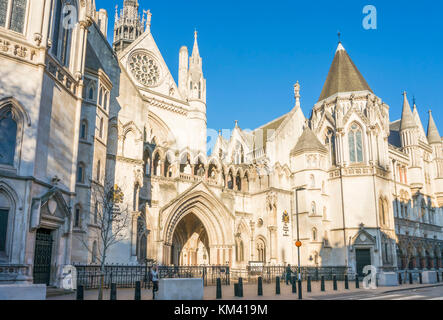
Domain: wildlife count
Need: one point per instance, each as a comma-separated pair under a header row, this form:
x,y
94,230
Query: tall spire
x,y
407,119
195,51
433,135
343,76
418,120
196,81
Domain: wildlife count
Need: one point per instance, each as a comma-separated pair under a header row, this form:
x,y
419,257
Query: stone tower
x,y
128,26
192,86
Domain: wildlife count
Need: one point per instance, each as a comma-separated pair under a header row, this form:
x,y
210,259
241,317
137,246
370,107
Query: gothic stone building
x,y
77,113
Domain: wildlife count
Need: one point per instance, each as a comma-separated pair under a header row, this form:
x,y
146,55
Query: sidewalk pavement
x,y
250,292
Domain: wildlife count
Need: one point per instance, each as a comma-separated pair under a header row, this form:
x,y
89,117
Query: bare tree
x,y
111,218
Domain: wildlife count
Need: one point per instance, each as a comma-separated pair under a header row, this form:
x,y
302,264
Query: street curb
x,y
413,288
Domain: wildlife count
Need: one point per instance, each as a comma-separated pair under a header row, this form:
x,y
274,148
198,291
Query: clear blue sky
x,y
254,51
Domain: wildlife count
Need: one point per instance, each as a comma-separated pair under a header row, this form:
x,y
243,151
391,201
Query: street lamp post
x,y
298,241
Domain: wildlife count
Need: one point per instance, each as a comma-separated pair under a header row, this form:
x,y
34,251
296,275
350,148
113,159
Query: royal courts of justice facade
x,y
77,112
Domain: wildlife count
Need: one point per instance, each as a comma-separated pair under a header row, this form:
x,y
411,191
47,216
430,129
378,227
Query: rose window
x,y
145,69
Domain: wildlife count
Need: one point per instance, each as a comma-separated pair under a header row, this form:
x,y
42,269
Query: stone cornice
x,y
166,105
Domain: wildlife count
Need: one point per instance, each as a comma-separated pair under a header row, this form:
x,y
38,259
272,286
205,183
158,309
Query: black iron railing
x,y
269,273
126,276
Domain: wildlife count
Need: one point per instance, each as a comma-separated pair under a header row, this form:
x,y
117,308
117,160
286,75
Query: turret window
x,y
330,145
355,144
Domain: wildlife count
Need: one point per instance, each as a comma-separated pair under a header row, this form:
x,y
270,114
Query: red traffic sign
x,y
298,244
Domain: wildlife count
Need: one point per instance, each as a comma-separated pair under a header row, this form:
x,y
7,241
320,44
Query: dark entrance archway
x,y
43,257
190,242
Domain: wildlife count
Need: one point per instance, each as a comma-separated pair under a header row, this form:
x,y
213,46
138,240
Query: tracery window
x,y
61,36
8,134
12,14
330,145
261,251
355,144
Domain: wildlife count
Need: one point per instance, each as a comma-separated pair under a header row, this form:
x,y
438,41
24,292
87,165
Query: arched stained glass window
x,y
12,14
355,144
3,12
61,36
8,141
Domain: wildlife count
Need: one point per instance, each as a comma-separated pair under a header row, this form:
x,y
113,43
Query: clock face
x,y
145,69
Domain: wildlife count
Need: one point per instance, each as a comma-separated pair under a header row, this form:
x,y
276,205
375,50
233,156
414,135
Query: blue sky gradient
x,y
253,52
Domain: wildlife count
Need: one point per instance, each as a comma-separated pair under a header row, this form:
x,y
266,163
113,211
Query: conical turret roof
x,y
433,135
343,76
407,119
308,141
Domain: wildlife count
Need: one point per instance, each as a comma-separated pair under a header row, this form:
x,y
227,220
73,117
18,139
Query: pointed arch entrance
x,y
198,229
190,242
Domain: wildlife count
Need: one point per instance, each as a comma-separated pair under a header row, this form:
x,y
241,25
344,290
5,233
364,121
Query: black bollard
x,y
299,290
322,283
219,289
80,292
411,281
438,277
240,287
277,286
236,293
335,283
294,285
113,291
308,286
260,286
138,294
420,278
357,282
400,281
346,282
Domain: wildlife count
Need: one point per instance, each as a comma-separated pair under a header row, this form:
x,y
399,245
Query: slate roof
x,y
343,76
308,141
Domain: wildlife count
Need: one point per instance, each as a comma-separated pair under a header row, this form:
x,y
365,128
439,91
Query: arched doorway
x,y
197,225
190,242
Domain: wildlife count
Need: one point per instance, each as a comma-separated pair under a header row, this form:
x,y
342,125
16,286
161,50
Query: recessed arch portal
x,y
201,224
190,242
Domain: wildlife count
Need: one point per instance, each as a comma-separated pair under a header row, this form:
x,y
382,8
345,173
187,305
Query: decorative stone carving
x,y
145,69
